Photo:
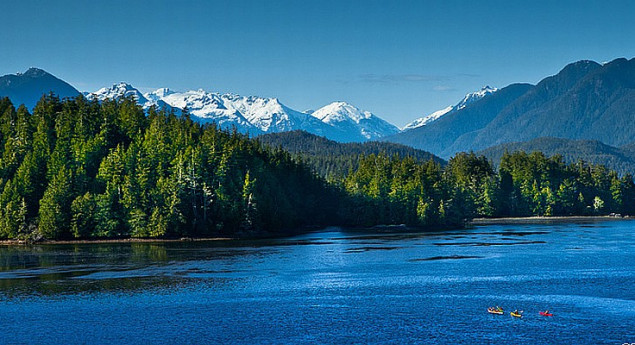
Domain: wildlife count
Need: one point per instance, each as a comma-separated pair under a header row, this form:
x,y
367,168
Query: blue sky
x,y
397,59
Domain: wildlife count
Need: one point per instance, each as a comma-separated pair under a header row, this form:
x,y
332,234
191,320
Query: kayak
x,y
544,313
495,311
516,314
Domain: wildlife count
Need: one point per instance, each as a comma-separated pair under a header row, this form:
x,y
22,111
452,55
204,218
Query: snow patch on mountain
x,y
422,121
475,96
468,99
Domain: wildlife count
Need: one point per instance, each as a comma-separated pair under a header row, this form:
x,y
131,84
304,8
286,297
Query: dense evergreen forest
x,y
79,168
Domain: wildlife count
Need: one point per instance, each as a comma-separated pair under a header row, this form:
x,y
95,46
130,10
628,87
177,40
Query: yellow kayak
x,y
516,314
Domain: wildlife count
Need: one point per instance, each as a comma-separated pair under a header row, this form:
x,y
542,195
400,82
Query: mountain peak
x,y
34,72
580,68
28,87
475,96
340,111
123,85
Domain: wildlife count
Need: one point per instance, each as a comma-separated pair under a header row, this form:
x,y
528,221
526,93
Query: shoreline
x,y
473,222
542,219
116,240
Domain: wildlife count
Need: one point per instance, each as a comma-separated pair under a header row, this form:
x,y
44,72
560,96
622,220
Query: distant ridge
x,y
330,158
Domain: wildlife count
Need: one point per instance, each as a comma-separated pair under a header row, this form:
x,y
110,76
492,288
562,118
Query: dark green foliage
x,y
533,184
390,190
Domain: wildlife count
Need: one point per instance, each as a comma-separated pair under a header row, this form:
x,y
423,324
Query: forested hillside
x,y
620,159
334,160
86,169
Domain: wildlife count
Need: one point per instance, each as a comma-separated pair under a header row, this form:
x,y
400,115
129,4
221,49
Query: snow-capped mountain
x,y
469,98
360,125
249,114
119,90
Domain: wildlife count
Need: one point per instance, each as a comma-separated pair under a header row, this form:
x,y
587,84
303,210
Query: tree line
x,y
79,168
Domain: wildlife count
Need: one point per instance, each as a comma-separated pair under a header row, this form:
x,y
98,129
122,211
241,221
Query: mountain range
x,y
338,121
584,101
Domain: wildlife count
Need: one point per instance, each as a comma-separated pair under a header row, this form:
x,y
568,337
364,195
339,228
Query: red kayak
x,y
545,313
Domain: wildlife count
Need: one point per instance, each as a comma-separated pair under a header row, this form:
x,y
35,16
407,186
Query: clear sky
x,y
397,59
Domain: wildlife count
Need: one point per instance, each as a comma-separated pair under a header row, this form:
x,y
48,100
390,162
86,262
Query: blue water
x,y
329,287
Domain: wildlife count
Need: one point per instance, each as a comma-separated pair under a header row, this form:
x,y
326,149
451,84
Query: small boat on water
x,y
518,314
497,310
545,313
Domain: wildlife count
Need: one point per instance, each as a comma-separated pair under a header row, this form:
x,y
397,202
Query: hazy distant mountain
x,y
28,87
621,159
330,158
585,100
468,99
